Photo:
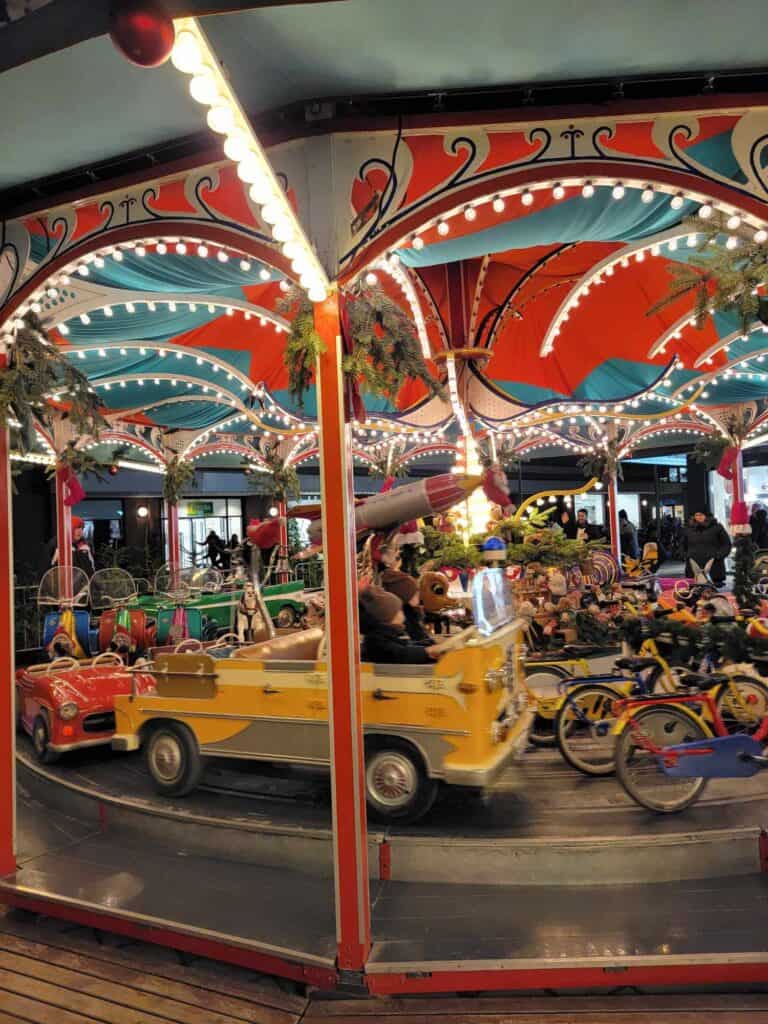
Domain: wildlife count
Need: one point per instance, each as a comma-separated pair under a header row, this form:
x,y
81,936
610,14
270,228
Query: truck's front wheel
x,y
397,786
173,759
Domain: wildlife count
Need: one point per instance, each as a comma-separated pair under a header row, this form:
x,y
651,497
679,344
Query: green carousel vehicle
x,y
285,603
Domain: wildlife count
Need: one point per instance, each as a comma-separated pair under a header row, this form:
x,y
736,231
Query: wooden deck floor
x,y
52,972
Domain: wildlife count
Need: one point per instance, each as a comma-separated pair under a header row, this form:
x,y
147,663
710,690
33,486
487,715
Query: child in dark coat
x,y
382,623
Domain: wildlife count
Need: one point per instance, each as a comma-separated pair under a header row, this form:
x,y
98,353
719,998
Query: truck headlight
x,y
68,711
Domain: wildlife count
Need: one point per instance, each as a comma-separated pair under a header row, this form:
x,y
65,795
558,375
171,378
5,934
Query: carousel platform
x,y
281,919
541,822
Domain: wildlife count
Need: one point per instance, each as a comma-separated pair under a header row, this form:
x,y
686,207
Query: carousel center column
x,y
353,923
7,702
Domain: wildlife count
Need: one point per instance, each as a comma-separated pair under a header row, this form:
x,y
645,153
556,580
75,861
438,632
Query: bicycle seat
x,y
635,664
702,680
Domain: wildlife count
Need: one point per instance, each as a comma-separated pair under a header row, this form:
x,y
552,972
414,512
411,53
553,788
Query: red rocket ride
x,y
388,509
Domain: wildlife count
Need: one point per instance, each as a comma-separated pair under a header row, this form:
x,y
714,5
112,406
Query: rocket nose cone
x,y
468,483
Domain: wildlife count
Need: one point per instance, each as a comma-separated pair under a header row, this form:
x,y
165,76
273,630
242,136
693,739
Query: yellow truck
x,y
457,722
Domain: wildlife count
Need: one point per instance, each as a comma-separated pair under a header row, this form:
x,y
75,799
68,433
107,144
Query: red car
x,y
65,705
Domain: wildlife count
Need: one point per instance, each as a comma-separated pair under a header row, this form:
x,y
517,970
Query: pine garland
x,y
744,572
179,475
722,279
285,482
385,351
604,464
383,464
709,451
79,461
37,371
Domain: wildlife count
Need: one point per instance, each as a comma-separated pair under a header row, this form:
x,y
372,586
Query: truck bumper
x,y
481,778
125,742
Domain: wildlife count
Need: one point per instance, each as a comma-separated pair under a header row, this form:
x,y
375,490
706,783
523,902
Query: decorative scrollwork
x,y
544,133
599,135
756,151
108,207
150,193
462,142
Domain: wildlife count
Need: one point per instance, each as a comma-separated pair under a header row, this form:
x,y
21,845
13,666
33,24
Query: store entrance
x,y
196,520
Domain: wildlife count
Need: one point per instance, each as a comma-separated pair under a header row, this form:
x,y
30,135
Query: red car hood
x,y
91,688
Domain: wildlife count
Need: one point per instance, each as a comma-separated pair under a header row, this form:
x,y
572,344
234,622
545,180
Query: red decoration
x,y
73,489
141,31
264,534
725,469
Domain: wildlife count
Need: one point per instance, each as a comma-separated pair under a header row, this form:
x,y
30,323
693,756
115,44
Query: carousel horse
x,y
249,624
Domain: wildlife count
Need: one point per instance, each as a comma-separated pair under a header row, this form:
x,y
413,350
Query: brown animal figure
x,y
433,594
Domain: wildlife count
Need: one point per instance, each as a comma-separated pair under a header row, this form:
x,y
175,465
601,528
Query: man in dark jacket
x,y
407,589
382,622
706,542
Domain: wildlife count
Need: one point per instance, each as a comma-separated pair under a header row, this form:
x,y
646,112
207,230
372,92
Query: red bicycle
x,y
668,747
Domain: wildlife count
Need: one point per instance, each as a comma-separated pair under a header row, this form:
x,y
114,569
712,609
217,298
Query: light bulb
x,y
181,248
245,266
222,256
282,231
261,191
186,54
558,192
284,286
237,146
162,248
221,119
418,242
470,213
203,89
588,190
527,198
371,279
265,274
271,213
733,222
292,249
498,205
618,191
705,211
677,202
202,251
647,194
761,236
443,227
732,242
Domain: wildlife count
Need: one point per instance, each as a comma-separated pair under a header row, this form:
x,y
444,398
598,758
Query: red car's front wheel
x,y
41,741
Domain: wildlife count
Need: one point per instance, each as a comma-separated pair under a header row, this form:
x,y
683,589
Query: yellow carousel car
x,y
457,722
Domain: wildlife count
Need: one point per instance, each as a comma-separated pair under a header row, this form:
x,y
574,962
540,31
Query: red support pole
x,y
64,531
174,541
282,511
7,701
612,506
353,917
738,476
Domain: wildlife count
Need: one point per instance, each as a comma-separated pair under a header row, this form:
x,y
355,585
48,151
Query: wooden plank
x,y
193,1005
113,992
569,1017
32,1011
213,978
329,1010
5,1018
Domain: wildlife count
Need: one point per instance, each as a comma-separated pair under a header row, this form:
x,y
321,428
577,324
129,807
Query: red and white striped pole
x,y
64,531
612,506
350,838
7,695
174,540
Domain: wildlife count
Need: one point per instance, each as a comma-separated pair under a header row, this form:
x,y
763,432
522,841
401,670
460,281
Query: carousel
x,y
578,737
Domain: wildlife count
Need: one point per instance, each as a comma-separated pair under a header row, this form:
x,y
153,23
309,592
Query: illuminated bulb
x,y
162,248
672,244
117,256
558,192
470,213
639,256
498,204
245,266
203,89
284,286
82,270
84,318
108,311
618,191
141,251
677,202
527,198
443,227
264,274
181,248
221,119
647,194
222,256
732,242
63,329
761,236
733,222
371,279
418,242
588,190
705,211
282,231
186,54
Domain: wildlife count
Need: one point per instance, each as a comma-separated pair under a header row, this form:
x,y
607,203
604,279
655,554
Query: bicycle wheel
x,y
544,683
584,728
742,703
638,769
